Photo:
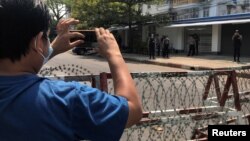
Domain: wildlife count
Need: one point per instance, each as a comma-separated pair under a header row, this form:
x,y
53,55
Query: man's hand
x,y
62,41
108,46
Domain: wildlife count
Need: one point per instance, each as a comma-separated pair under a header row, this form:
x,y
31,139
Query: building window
x,y
188,14
182,2
206,12
195,13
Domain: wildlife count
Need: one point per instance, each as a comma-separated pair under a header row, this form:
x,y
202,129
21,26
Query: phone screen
x,y
89,39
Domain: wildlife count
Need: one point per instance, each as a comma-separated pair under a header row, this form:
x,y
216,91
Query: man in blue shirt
x,y
33,108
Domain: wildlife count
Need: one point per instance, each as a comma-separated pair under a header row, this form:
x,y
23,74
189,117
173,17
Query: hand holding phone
x,y
89,39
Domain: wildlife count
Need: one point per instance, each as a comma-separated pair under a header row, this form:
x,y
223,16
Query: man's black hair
x,y
20,21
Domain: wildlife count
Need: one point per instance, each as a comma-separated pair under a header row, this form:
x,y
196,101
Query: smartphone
x,y
89,39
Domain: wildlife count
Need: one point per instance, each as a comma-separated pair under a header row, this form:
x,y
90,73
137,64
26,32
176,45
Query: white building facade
x,y
213,20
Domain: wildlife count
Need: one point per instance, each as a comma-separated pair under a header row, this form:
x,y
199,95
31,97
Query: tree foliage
x,y
95,13
107,13
58,8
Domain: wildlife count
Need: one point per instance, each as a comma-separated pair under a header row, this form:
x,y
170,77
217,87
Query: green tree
x,y
105,13
95,13
58,10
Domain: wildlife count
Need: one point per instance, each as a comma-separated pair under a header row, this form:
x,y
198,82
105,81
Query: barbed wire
x,y
177,105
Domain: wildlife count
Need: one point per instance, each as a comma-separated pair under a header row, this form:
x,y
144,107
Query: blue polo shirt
x,y
33,108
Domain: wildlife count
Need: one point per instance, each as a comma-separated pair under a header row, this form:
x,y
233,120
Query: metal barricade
x,y
181,105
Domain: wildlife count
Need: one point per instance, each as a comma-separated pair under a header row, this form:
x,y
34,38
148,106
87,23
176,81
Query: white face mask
x,y
50,51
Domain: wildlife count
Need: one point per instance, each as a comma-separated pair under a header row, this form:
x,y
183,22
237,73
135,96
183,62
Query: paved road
x,y
96,64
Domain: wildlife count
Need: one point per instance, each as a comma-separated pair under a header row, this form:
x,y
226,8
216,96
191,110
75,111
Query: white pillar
x,y
216,39
179,38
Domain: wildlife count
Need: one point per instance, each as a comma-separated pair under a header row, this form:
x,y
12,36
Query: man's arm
x,y
233,37
62,41
123,82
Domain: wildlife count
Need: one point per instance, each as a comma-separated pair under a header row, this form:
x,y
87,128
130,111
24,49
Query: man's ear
x,y
38,42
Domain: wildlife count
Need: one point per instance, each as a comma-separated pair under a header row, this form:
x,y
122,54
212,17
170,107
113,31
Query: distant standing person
x,y
197,41
151,46
165,50
237,42
162,44
191,43
158,44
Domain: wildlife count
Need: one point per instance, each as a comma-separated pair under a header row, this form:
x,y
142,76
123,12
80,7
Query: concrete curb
x,y
167,64
181,66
